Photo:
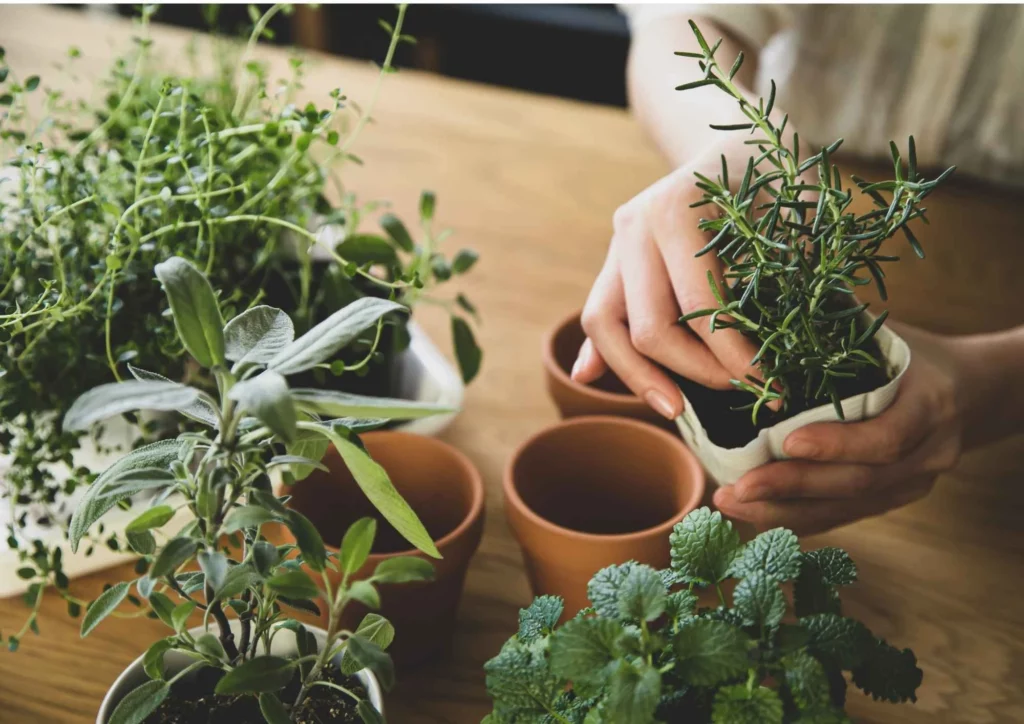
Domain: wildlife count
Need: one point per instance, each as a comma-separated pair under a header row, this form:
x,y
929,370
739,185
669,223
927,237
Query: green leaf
x,y
267,397
209,645
153,659
642,594
116,398
759,600
308,538
326,338
372,657
237,580
467,352
603,589
356,545
775,552
842,640
521,683
366,593
215,567
31,83
428,202
584,648
273,710
194,308
293,584
136,707
888,673
464,261
333,403
397,231
151,518
103,606
403,569
172,555
375,628
704,546
368,713
373,480
308,444
256,676
246,516
540,618
367,249
163,607
834,565
736,705
257,335
709,652
200,410
181,614
806,680
633,694
142,543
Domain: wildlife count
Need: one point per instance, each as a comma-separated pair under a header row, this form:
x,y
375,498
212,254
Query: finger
x,y
675,232
589,365
806,517
791,479
885,439
604,321
653,313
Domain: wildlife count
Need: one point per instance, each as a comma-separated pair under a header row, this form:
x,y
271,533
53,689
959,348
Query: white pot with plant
x,y
793,253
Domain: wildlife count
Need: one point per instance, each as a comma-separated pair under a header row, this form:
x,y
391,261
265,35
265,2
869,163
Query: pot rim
x,y
476,506
513,499
555,369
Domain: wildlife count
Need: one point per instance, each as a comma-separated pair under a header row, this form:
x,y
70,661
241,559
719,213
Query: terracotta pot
x,y
592,491
606,396
447,493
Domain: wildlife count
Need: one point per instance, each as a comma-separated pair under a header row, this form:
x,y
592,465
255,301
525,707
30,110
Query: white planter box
x,y
726,465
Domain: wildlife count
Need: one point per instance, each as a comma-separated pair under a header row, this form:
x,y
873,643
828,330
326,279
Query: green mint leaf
x,y
736,705
834,565
540,618
194,308
584,648
759,600
835,638
704,547
680,605
641,596
103,606
775,552
521,683
806,680
603,589
710,652
633,694
257,335
888,673
262,674
136,707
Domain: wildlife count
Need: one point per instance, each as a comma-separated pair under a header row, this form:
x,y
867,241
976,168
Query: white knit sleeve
x,y
755,24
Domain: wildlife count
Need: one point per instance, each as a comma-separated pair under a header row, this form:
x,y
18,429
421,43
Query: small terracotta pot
x,y
447,493
593,491
606,396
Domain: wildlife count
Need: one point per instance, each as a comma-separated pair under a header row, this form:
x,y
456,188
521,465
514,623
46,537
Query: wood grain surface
x,y
531,183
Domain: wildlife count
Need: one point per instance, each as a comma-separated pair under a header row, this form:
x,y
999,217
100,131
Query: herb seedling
x,y
217,564
646,651
794,252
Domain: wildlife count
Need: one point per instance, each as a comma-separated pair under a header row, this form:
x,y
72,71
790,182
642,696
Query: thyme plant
x,y
794,252
225,168
216,563
647,652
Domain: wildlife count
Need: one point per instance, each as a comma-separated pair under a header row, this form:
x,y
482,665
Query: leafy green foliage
x,y
645,653
794,251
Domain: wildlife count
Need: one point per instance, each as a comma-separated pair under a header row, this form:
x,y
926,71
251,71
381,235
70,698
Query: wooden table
x,y
531,183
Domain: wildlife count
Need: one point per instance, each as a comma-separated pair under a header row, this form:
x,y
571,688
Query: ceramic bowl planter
x,y
606,396
283,645
592,491
725,465
447,493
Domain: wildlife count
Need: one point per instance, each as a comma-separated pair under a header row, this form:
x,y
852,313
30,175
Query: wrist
x,y
990,388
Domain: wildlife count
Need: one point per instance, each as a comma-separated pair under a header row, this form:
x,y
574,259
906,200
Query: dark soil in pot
x,y
192,701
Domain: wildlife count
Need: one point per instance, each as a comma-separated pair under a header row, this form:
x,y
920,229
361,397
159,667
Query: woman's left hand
x,y
842,472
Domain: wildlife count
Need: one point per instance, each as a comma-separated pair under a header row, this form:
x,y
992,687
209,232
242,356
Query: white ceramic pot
x,y
726,465
283,645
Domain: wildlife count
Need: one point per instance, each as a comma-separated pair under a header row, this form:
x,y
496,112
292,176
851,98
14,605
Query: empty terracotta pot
x,y
447,493
606,396
592,491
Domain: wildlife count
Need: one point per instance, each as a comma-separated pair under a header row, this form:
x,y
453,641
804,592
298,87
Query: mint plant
x,y
795,252
647,652
230,169
217,563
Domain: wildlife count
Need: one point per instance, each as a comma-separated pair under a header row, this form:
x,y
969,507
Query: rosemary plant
x,y
217,479
226,169
794,253
647,652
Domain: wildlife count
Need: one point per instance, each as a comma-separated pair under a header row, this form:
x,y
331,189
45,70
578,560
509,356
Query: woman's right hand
x,y
651,277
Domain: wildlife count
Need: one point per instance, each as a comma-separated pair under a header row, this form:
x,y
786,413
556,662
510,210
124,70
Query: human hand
x,y
842,472
650,278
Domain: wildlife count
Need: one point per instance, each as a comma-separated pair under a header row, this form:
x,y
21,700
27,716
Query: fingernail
x,y
800,448
581,360
661,404
723,496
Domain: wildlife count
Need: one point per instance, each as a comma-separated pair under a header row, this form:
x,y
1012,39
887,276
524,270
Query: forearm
x,y
678,121
992,396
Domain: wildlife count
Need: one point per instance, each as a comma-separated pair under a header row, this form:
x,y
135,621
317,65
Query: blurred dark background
x,y
574,51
